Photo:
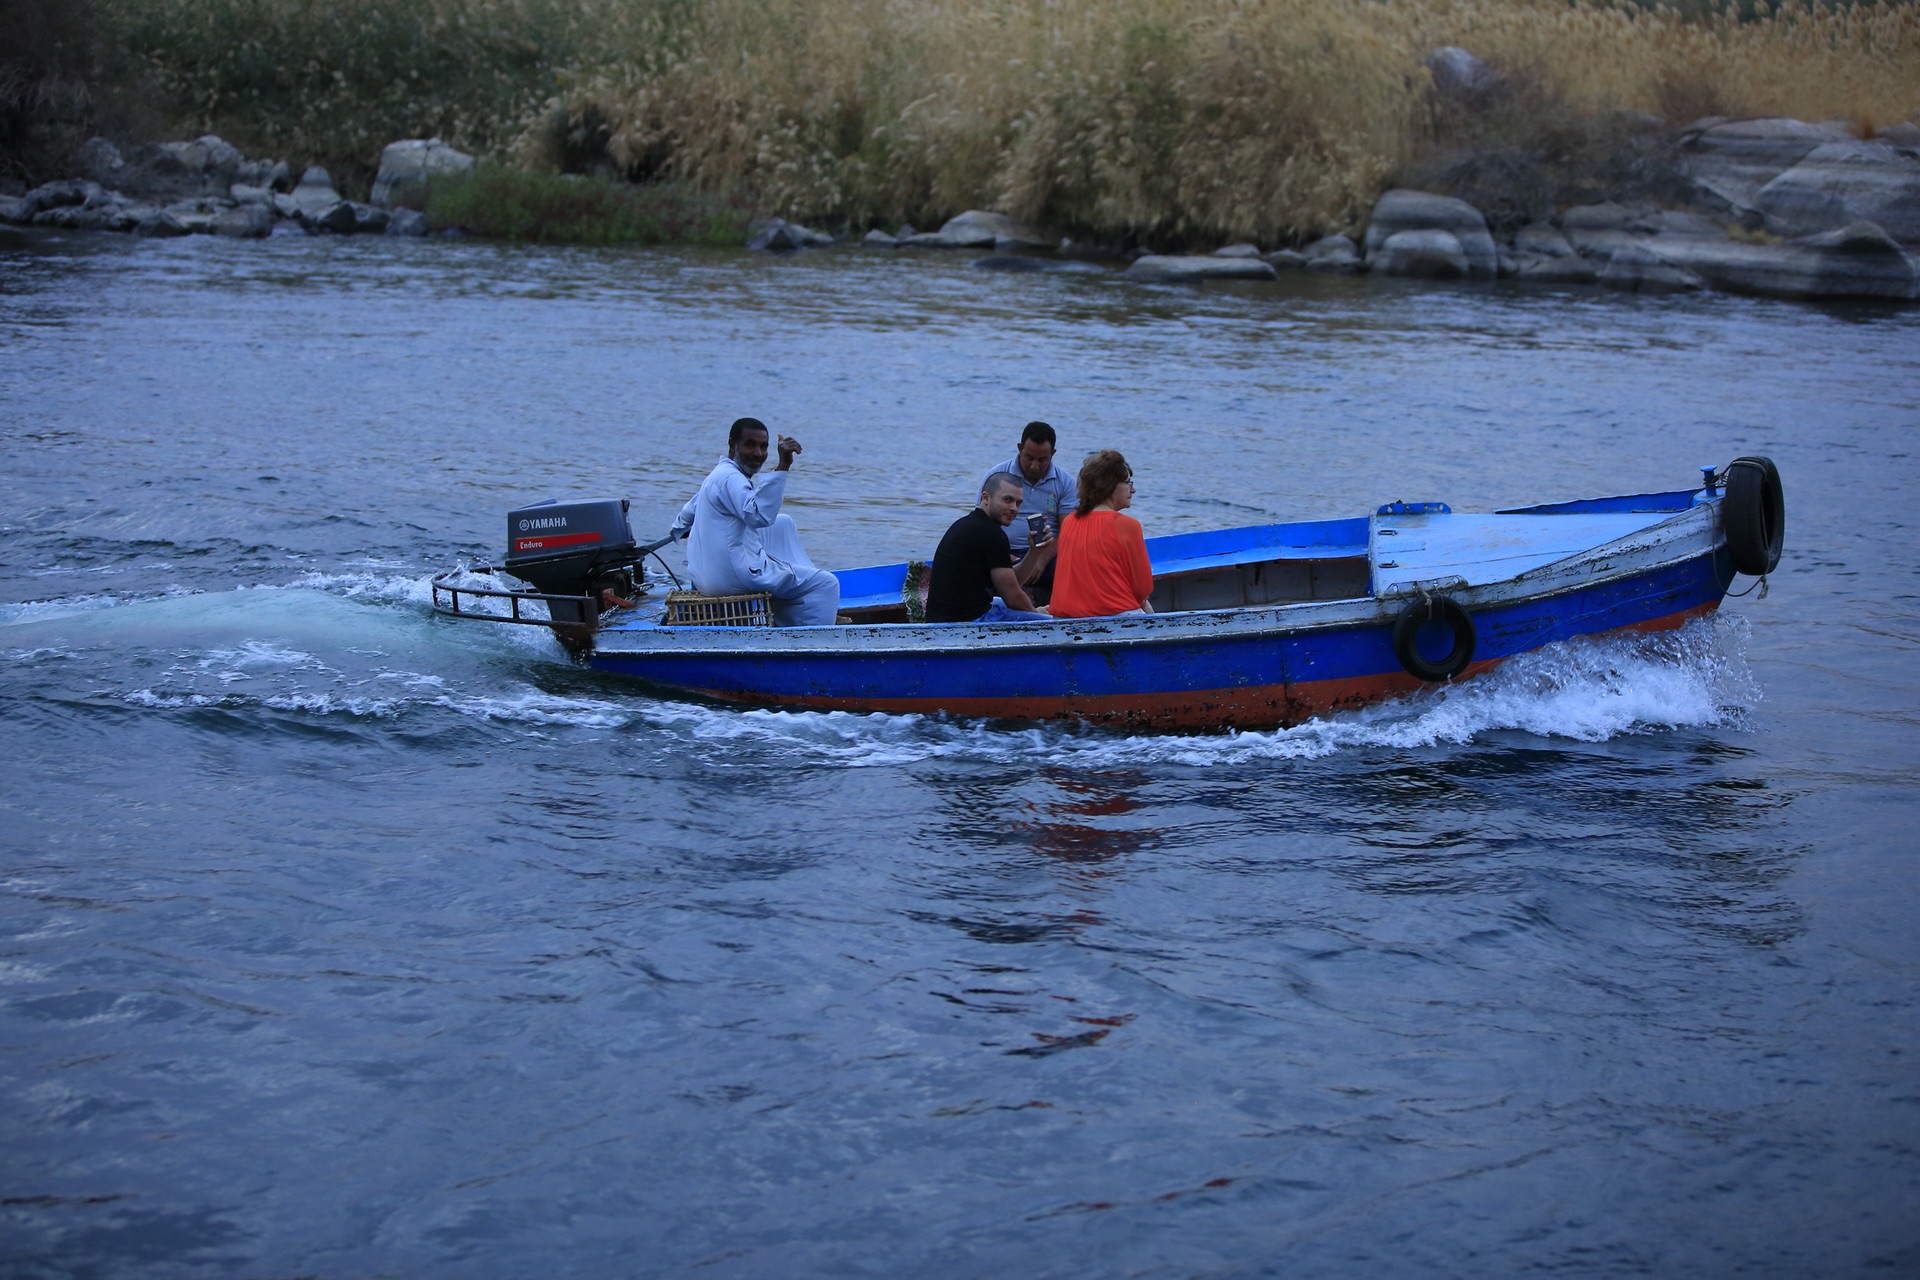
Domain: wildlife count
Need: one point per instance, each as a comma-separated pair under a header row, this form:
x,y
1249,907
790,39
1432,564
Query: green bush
x,y
509,204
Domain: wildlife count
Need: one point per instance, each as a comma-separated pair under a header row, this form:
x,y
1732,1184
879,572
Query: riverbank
x,y
1778,208
1158,123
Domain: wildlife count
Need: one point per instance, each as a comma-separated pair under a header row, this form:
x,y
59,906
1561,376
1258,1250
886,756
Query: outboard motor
x,y
573,549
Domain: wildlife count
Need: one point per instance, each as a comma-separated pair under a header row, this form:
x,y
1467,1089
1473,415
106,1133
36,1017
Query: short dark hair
x,y
998,481
1100,475
741,425
1041,432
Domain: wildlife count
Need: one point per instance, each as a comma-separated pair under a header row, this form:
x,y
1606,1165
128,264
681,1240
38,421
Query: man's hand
x,y
788,448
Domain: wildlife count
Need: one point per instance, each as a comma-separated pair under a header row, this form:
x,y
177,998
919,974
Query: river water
x,y
337,940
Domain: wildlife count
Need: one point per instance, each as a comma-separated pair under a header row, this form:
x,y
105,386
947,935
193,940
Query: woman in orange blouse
x,y
1102,566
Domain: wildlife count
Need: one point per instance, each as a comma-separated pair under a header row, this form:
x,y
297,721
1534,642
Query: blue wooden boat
x,y
1252,627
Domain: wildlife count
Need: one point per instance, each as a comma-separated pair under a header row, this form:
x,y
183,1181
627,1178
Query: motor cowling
x,y
572,549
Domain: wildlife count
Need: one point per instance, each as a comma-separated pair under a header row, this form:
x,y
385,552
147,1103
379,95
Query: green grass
x,y
509,204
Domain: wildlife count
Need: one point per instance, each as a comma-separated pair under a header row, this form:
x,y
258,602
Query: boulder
x,y
406,222
1542,240
1561,269
314,195
407,167
1460,77
199,215
55,195
1238,251
253,221
877,239
338,218
15,209
368,220
1334,253
78,217
1433,255
1727,162
241,193
161,225
1638,269
1600,230
1287,260
1404,210
977,229
780,236
1170,269
1841,183
101,161
1857,261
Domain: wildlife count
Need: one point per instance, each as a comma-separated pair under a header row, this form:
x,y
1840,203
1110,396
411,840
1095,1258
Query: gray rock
x,y
877,239
199,215
56,195
1840,183
207,154
1858,261
1638,269
777,235
1287,260
1029,263
241,193
101,161
978,229
1679,222
314,195
285,205
1433,255
15,209
906,232
1238,251
1334,253
338,218
77,217
1170,269
1558,269
1729,161
368,220
1460,77
1904,136
1404,210
406,222
1542,240
1600,230
292,227
161,225
407,167
253,221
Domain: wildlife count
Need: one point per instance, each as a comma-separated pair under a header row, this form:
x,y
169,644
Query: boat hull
x,y
1240,668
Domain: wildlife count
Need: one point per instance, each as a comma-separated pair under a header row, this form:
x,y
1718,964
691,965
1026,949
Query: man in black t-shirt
x,y
973,564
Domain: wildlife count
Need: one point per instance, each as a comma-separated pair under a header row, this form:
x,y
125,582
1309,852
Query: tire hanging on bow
x,y
1754,512
1406,634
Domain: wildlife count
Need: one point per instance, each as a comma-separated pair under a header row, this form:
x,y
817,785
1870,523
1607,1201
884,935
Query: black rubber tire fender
x,y
1754,512
1406,630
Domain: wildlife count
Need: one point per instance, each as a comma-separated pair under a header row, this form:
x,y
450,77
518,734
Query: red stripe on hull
x,y
1262,707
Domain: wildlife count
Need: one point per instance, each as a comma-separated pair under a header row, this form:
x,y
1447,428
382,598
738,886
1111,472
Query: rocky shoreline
x,y
1771,207
207,187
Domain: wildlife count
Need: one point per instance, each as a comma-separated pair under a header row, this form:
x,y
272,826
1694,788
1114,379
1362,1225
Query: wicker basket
x,y
691,609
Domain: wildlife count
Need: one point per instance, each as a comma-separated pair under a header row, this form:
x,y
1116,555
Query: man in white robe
x,y
737,540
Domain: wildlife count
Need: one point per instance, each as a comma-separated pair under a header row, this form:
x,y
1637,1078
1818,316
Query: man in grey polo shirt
x,y
1045,489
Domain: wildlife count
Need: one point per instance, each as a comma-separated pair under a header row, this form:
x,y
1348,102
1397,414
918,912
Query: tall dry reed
x,y
1158,120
